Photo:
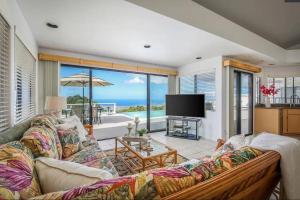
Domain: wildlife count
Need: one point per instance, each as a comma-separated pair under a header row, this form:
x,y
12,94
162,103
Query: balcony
x,y
110,120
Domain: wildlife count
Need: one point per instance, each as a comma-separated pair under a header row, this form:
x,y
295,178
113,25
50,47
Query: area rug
x,y
123,170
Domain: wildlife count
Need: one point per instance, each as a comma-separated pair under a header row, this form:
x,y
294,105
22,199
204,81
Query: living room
x,y
137,99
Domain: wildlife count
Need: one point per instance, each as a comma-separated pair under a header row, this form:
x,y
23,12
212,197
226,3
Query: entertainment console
x,y
184,127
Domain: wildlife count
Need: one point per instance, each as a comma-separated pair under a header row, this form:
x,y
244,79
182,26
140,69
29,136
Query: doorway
x,y
243,103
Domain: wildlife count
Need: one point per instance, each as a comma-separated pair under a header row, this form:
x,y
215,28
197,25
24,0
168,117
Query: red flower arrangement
x,y
268,91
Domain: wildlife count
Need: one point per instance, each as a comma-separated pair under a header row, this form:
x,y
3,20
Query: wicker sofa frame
x,y
255,179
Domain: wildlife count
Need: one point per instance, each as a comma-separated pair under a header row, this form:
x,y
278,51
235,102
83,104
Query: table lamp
x,y
55,104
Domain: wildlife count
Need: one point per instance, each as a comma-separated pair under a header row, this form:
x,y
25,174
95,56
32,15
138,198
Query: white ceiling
x,y
119,29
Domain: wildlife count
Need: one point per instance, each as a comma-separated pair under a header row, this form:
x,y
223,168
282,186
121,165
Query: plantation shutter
x,y
25,80
4,75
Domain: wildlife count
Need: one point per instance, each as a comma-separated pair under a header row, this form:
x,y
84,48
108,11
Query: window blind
x,y
206,84
25,84
4,75
187,85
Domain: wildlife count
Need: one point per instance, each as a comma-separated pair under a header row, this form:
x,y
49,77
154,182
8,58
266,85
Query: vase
x,y
129,130
267,102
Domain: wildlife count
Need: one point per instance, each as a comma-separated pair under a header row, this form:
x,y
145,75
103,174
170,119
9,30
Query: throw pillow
x,y
71,174
234,158
237,141
51,117
70,141
41,141
18,177
75,121
65,126
42,120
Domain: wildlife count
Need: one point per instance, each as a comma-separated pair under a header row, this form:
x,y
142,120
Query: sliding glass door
x,y
158,86
111,99
118,99
75,86
243,103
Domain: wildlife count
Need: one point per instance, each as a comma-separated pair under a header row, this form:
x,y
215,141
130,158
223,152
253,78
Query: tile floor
x,y
187,148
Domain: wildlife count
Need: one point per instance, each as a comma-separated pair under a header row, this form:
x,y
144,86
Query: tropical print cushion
x,y
22,147
43,120
69,140
163,182
90,140
232,159
18,177
58,145
49,121
158,183
93,156
205,170
41,141
51,117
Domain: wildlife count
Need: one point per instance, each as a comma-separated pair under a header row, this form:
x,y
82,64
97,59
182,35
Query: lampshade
x,y
55,103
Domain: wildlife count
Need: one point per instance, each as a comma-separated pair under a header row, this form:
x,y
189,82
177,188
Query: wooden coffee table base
x,y
137,163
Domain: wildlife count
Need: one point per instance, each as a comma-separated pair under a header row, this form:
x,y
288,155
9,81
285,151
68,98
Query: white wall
x,y
214,123
11,12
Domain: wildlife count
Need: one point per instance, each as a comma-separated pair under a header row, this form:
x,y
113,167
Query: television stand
x,y
183,127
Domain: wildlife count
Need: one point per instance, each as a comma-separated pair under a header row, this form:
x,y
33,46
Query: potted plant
x,y
142,132
267,92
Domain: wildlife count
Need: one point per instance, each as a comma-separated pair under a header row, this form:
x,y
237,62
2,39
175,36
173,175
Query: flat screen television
x,y
185,105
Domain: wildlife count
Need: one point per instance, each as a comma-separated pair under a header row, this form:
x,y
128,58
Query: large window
x,y
4,75
289,90
111,99
25,77
203,83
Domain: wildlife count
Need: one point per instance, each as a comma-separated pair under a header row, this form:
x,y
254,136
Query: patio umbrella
x,y
82,80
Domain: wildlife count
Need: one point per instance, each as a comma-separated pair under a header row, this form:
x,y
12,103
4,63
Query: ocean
x,y
131,102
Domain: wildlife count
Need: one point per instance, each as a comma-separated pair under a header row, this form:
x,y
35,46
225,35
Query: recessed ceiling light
x,y
147,46
198,58
51,25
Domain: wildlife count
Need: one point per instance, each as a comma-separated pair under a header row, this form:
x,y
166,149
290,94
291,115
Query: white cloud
x,y
136,80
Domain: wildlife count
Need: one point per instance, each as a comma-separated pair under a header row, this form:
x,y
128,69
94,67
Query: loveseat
x,y
245,173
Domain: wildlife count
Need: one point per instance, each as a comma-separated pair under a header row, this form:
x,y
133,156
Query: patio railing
x,y
110,108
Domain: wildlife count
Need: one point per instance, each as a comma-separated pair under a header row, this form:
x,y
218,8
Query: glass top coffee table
x,y
137,157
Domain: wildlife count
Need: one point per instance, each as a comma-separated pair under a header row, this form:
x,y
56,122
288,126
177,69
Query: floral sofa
x,y
39,138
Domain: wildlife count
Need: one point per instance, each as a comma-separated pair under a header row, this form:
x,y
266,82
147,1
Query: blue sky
x,y
125,85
